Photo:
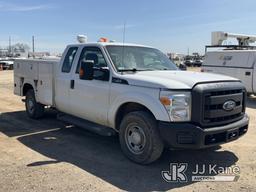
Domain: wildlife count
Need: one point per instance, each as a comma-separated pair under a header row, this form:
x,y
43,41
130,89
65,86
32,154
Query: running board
x,y
90,126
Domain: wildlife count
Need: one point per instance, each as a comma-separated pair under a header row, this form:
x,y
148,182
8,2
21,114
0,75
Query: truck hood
x,y
172,79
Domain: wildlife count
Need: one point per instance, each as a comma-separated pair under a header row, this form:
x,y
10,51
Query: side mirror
x,y
101,74
86,70
182,67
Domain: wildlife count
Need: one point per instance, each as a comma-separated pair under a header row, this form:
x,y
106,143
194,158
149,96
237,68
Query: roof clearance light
x,y
102,39
81,38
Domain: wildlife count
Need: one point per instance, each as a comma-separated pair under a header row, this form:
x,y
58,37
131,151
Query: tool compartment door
x,y
25,70
45,83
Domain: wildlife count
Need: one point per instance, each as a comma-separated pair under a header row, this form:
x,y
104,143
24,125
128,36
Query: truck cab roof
x,y
108,43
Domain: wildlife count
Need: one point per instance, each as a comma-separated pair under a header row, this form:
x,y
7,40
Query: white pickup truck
x,y
135,91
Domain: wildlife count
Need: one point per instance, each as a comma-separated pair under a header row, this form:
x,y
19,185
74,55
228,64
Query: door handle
x,y
72,84
248,73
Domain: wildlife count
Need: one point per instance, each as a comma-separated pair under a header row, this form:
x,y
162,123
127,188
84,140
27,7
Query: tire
x,y
34,110
249,94
139,137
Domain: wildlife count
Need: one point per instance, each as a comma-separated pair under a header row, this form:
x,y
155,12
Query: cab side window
x,y
94,54
69,58
100,67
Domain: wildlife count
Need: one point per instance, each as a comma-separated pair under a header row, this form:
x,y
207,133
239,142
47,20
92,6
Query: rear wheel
x,y
139,137
34,110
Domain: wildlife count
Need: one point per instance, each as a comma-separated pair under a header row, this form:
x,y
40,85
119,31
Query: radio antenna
x,y
124,32
123,44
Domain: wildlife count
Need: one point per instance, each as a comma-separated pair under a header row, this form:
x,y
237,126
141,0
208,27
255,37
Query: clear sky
x,y
170,25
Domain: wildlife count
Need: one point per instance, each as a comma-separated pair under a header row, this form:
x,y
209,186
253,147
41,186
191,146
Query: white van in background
x,y
233,60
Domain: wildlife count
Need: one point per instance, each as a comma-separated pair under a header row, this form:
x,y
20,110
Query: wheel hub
x,y
135,139
30,105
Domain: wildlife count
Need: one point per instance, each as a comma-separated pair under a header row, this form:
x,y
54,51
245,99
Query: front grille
x,y
218,106
226,92
220,119
211,98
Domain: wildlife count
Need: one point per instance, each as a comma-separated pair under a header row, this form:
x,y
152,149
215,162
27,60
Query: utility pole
x,y
33,46
188,50
10,46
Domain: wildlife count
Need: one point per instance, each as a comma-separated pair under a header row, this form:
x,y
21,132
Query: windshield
x,y
132,58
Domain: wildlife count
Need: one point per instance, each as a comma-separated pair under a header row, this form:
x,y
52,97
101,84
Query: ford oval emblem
x,y
229,105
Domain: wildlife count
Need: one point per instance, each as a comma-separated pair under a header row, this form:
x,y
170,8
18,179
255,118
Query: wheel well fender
x,y
130,102
127,108
26,87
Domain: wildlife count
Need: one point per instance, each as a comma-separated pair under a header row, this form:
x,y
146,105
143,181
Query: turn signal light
x,y
81,72
165,101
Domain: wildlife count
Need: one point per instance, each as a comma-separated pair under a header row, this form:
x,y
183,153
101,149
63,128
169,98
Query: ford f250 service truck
x,y
233,60
137,92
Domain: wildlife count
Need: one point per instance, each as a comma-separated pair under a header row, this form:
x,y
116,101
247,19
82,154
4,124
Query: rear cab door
x,y
63,77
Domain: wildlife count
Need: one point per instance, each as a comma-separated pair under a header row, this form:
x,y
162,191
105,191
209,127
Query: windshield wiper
x,y
133,70
146,69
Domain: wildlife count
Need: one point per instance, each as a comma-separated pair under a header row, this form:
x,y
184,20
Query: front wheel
x,y
139,137
34,110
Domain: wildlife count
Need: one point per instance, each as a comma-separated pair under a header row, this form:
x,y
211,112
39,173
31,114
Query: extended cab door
x,y
89,99
63,82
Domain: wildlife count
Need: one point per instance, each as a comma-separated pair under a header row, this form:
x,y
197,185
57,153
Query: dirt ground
x,y
48,155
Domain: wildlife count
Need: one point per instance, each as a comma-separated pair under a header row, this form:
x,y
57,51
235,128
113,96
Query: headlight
x,y
178,105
